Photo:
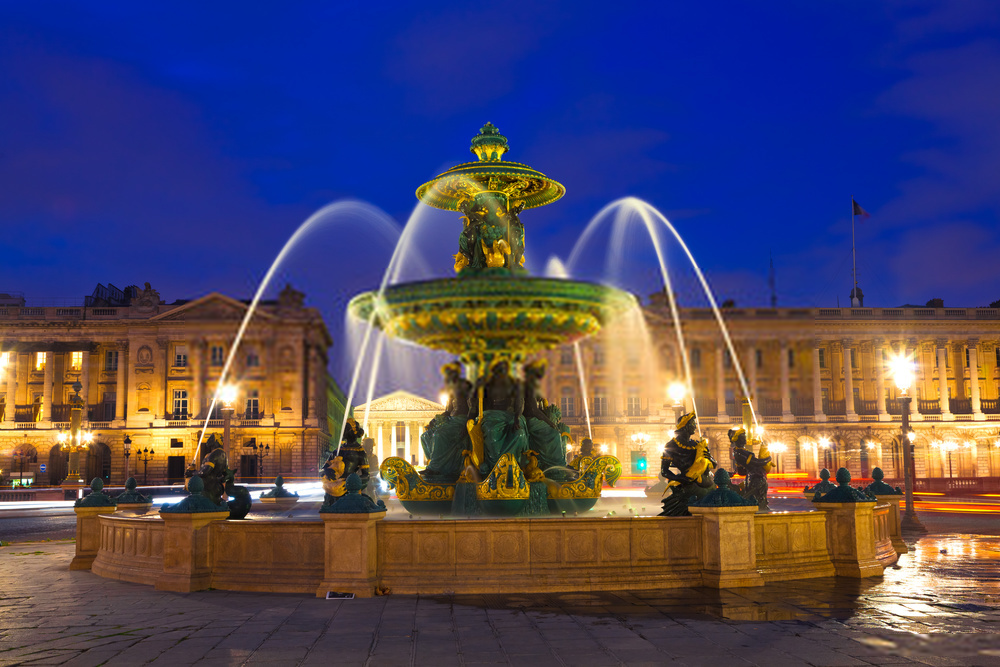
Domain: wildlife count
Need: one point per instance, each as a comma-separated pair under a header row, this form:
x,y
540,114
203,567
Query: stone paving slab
x,y
940,606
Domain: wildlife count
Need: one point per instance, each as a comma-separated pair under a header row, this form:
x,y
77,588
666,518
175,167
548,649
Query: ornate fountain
x,y
499,448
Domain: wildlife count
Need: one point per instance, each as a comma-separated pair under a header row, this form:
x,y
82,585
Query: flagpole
x,y
854,255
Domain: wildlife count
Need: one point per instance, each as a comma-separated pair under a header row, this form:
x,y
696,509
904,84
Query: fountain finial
x,y
489,145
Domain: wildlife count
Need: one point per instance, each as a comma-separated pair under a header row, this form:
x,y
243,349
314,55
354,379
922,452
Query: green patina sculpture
x,y
353,501
447,436
695,463
724,495
196,502
844,492
279,490
824,485
754,467
880,488
96,497
218,481
130,496
350,458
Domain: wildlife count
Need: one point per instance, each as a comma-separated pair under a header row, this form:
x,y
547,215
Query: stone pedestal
x,y
88,535
351,554
729,546
850,538
187,553
895,529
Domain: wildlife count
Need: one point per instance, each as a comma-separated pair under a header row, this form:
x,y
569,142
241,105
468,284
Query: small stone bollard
x,y
88,528
351,547
131,501
279,497
187,552
850,529
728,536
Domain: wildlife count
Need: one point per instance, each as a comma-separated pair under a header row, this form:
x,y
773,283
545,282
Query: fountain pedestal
x,y
729,547
187,562
850,531
88,535
351,554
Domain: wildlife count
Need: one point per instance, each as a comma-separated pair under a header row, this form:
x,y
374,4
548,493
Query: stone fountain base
x,y
722,547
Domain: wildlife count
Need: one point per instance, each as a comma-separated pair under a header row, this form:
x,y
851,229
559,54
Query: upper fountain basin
x,y
492,315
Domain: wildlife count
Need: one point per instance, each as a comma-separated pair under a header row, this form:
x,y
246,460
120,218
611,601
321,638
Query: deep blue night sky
x,y
181,144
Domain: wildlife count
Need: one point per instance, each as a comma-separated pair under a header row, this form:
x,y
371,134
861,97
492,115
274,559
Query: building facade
x,y
148,372
819,381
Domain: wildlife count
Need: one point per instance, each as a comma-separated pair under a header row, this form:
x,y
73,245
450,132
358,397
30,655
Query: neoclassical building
x,y
148,371
819,381
396,421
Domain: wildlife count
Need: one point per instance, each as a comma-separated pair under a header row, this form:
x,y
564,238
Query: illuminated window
x,y
111,360
760,358
180,403
75,360
253,359
180,356
566,403
598,355
4,359
695,359
39,361
253,404
566,356
791,359
822,358
854,359
218,355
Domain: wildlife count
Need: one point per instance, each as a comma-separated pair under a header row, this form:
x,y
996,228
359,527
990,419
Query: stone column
x,y
418,430
164,406
818,414
85,381
786,392
120,387
852,416
877,348
406,441
720,384
197,347
977,410
377,430
47,387
11,371
942,360
914,353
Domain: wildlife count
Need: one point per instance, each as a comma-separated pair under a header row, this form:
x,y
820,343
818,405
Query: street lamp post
x,y
77,440
902,371
128,452
260,453
146,455
778,448
677,391
227,394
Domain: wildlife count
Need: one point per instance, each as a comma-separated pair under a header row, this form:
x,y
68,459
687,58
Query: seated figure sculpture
x,y
350,458
544,434
446,436
219,480
502,423
695,463
754,467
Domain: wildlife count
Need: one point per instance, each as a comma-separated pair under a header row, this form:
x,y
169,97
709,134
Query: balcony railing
x,y
866,407
990,406
928,407
834,408
960,406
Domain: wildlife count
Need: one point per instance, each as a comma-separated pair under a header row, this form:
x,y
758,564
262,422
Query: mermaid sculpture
x,y
695,463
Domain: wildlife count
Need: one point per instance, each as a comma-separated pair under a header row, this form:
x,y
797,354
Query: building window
x,y
75,361
253,359
600,407
566,403
4,359
110,360
822,358
176,443
39,361
598,355
695,357
791,358
966,357
253,404
854,359
218,357
180,403
566,356
633,405
727,359
759,354
110,398
180,356
996,353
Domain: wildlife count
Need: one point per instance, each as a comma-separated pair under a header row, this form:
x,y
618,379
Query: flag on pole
x,y
857,210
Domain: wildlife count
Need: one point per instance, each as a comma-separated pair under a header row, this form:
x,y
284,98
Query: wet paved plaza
x,y
940,606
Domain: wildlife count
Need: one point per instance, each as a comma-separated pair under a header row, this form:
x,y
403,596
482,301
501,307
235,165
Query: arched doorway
x,y
58,465
98,462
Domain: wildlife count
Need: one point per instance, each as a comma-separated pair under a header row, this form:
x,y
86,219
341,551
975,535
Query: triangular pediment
x,y
211,307
400,401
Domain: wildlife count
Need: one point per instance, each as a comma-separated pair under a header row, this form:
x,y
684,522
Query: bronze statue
x,y
544,433
754,467
219,480
695,463
446,436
